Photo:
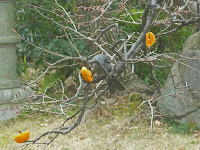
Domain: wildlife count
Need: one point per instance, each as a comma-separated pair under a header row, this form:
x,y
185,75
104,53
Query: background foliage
x,y
43,33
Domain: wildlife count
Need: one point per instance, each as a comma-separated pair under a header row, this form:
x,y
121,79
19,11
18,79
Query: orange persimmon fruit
x,y
22,137
150,39
86,74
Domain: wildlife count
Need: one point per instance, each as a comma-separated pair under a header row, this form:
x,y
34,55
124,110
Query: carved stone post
x,y
10,88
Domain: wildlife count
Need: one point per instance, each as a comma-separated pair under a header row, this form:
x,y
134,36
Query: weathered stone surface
x,y
11,91
181,98
10,100
191,75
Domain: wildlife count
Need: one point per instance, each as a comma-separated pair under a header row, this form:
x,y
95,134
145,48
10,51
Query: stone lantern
x,y
10,88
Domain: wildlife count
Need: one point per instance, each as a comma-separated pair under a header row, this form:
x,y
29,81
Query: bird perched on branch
x,y
102,66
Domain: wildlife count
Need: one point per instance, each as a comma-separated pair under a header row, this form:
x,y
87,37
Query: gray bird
x,y
105,62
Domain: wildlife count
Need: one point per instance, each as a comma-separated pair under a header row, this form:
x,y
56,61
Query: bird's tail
x,y
114,85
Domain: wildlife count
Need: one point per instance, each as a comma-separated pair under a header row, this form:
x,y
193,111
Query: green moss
x,y
6,136
135,97
4,140
72,111
181,128
127,107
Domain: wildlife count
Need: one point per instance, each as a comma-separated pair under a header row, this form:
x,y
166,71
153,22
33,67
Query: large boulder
x,y
181,93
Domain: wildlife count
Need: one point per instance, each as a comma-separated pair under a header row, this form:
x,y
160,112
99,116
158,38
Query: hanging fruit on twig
x,y
87,74
22,137
150,39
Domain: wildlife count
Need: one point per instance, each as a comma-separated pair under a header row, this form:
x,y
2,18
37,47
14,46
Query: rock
x,y
181,99
191,75
157,123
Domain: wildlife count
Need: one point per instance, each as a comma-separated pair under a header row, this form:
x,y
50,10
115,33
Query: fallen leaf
x,y
82,138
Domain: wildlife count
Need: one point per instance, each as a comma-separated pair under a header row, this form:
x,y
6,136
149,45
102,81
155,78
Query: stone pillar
x,y
10,88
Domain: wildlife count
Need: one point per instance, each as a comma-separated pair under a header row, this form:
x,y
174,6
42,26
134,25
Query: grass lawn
x,y
109,130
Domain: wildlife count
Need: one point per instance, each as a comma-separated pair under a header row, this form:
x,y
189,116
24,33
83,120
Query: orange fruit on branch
x,y
22,137
86,74
150,39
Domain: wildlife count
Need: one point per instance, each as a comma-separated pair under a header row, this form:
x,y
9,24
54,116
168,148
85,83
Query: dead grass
x,y
100,132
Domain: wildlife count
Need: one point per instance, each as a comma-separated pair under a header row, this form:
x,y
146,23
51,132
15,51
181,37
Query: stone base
x,y
10,99
8,112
